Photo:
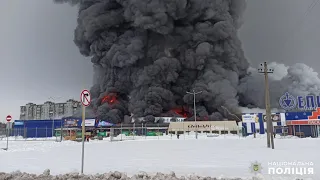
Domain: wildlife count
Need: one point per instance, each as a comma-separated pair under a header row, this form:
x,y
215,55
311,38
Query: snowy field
x,y
224,156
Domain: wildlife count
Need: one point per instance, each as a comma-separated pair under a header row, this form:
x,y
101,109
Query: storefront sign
x,y
314,122
18,123
304,122
250,118
205,127
104,123
70,122
289,102
89,122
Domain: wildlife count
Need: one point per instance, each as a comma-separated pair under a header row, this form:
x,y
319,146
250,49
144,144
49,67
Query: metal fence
x,y
122,132
28,134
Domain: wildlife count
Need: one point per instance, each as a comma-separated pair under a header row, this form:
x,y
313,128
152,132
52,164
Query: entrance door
x,y
312,131
315,131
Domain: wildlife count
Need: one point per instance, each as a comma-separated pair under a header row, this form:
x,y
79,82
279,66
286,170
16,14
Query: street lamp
x,y
265,70
194,109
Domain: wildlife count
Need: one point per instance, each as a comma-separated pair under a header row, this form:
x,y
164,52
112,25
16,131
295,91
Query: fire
x,y
181,111
111,99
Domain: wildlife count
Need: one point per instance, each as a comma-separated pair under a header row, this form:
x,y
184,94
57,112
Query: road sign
x,y
8,118
85,98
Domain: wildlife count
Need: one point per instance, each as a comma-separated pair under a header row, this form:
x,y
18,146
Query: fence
x,y
123,131
27,133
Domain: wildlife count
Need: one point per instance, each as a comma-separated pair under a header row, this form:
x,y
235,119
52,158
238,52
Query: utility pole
x,y
194,109
265,70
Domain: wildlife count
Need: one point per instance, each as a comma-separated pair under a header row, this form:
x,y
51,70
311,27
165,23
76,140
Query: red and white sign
x,y
314,122
8,118
304,122
85,97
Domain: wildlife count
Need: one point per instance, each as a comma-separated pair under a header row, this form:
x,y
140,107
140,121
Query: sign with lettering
x,y
304,122
250,118
104,124
70,122
89,122
206,127
290,102
314,122
18,123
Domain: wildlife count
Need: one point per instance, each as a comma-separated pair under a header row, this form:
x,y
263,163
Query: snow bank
x,y
107,176
227,156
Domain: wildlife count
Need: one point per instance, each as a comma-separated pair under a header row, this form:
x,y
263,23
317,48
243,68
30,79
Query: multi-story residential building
x,y
49,110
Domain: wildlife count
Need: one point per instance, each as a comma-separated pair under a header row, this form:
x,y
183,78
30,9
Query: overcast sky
x,y
40,59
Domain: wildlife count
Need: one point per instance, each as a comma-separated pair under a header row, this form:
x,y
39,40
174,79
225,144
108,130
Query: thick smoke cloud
x,y
298,79
148,53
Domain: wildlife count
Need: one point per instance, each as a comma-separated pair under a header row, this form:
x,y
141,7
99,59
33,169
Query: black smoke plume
x,y
148,53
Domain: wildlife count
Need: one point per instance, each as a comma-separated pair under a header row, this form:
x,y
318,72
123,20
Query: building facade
x,y
49,110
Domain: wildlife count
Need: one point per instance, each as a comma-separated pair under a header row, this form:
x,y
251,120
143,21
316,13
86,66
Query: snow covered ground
x,y
222,156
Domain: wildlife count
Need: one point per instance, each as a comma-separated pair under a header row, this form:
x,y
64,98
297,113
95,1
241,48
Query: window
x,y
224,132
233,132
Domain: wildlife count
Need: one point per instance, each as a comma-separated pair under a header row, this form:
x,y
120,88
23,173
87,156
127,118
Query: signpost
x,y
85,98
8,118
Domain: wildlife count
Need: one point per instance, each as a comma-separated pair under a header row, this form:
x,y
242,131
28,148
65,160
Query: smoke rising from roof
x,y
148,53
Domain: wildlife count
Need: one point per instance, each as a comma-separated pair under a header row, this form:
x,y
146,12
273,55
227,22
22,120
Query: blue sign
x,y
104,123
18,123
289,102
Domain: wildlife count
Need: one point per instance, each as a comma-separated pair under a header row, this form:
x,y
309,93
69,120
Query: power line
x,y
309,10
301,22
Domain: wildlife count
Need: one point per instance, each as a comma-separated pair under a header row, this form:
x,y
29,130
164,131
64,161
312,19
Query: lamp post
x,y
265,70
194,109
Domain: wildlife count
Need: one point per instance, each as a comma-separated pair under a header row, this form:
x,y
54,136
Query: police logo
x,y
255,167
287,101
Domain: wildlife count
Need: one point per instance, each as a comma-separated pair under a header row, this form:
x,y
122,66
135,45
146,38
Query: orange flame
x,y
182,112
111,99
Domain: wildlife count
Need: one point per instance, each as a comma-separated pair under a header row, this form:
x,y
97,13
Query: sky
x,y
41,61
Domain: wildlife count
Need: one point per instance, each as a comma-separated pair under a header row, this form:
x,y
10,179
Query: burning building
x,y
148,53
